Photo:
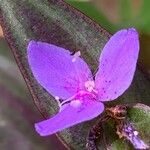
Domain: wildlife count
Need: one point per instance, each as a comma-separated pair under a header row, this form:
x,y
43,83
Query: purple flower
x,y
69,78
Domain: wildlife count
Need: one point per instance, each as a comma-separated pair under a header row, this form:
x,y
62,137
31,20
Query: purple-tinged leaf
x,y
117,64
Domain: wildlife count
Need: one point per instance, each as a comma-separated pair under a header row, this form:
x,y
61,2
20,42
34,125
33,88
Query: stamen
x,y
57,98
68,100
58,101
75,56
89,85
74,100
71,99
75,103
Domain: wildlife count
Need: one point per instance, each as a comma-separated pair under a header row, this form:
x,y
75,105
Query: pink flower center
x,y
76,100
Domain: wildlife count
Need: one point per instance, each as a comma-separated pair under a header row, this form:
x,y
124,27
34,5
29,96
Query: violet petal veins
x,y
69,78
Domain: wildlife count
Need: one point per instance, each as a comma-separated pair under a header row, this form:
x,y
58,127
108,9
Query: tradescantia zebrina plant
x,y
58,24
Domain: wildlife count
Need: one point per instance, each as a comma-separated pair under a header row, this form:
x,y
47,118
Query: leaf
x,y
94,13
137,17
145,52
17,116
139,116
17,113
57,23
142,19
125,11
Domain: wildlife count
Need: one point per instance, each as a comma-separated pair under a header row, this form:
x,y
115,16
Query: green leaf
x,y
139,116
89,9
56,22
130,16
143,19
125,11
145,52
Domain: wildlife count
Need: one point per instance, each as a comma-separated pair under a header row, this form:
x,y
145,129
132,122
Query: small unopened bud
x,y
128,132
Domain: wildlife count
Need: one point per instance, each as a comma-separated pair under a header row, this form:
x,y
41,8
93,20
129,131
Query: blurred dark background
x,y
17,110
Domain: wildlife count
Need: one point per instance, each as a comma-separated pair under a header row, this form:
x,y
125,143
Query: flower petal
x,y
69,116
117,64
54,69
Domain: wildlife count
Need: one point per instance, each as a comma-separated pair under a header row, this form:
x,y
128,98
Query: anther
x,y
75,56
58,101
57,98
89,85
75,103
